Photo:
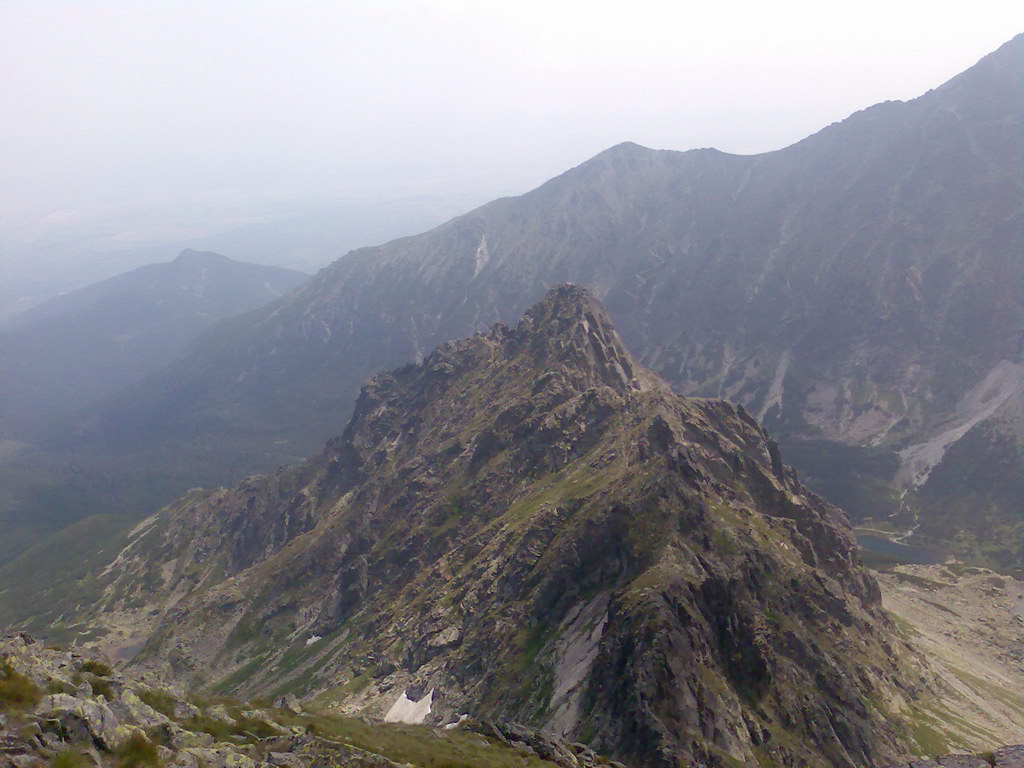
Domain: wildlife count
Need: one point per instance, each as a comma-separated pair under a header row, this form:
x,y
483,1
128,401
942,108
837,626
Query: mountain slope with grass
x,y
528,526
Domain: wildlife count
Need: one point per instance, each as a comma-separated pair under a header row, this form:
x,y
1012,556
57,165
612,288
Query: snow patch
x,y
984,399
482,256
410,712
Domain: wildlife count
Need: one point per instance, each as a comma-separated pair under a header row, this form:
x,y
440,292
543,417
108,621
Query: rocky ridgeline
x,y
63,709
531,527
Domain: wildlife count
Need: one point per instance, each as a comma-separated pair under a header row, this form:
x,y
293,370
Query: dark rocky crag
x,y
529,526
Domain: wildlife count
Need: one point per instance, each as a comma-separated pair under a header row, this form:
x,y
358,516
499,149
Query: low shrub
x,y
70,758
97,668
59,686
17,692
137,751
101,687
159,700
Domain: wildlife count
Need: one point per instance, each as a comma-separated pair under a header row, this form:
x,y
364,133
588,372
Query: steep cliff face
x,y
530,526
852,291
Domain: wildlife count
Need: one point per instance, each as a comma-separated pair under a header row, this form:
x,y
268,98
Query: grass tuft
x,y
159,700
137,751
70,758
97,668
17,692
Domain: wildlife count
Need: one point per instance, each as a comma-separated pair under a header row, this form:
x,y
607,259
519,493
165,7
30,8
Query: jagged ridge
x,y
528,525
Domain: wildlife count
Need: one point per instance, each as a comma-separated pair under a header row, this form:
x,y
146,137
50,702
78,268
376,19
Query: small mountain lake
x,y
904,553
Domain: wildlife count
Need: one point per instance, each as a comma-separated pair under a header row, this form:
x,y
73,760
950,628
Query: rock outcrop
x,y
1011,756
528,526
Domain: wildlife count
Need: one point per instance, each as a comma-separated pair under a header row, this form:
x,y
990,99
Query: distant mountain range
x,y
87,344
531,525
73,350
76,248
861,292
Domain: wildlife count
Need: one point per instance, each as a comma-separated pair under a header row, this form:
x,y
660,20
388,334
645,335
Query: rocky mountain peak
x,y
569,327
531,500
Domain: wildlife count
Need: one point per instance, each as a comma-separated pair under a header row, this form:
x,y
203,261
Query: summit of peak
x,y
564,300
190,256
571,328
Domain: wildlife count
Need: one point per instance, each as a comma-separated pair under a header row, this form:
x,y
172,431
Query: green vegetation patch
x,y
70,758
17,692
239,676
857,479
66,563
137,751
418,745
97,668
1009,697
161,701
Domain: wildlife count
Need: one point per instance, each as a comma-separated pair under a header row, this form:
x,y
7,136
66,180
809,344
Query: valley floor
x,y
969,624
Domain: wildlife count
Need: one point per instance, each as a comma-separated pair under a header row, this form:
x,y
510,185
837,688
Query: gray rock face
x,y
132,709
81,720
962,761
1010,757
286,760
562,753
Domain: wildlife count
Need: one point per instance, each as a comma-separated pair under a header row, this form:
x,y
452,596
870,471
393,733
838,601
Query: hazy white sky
x,y
148,101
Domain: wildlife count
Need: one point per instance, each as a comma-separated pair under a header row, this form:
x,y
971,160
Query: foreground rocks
x,y
61,708
1004,757
561,753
